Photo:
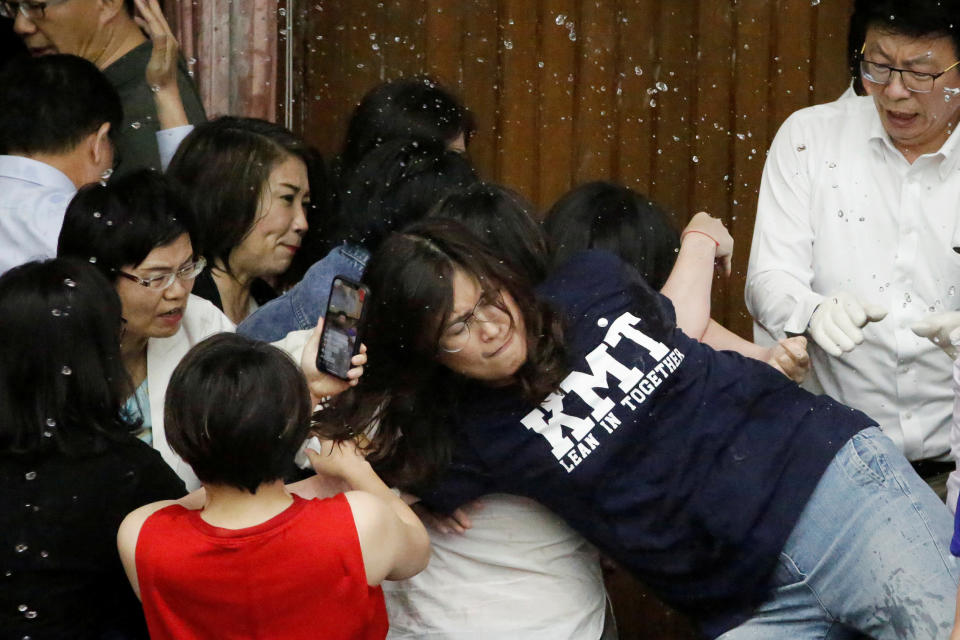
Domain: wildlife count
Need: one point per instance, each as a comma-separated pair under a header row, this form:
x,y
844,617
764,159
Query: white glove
x,y
835,323
941,329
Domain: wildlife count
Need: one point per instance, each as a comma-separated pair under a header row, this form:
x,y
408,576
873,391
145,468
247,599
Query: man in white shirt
x,y
856,223
56,114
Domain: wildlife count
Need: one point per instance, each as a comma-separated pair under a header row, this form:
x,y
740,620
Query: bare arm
x,y
394,542
704,241
127,537
788,356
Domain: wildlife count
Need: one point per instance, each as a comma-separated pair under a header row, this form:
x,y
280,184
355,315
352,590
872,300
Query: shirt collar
x,y
949,153
39,173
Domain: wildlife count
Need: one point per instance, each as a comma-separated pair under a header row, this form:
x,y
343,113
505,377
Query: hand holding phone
x,y
342,323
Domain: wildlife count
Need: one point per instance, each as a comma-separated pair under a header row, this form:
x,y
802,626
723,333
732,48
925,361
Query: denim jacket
x,y
302,305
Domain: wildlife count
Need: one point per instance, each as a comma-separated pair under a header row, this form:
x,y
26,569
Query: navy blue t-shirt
x,y
688,466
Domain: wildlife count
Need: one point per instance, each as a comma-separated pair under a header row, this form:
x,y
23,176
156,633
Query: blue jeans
x,y
869,555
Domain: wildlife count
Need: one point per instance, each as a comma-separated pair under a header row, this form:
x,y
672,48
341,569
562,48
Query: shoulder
x,y
590,276
202,318
828,123
130,528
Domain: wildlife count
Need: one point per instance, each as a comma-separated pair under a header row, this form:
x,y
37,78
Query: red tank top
x,y
298,575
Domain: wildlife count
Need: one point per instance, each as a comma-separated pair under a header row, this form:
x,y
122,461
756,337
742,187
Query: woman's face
x,y
156,313
269,246
496,344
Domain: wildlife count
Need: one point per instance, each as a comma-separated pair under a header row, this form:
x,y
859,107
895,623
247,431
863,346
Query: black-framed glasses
x,y
29,9
166,280
914,81
456,336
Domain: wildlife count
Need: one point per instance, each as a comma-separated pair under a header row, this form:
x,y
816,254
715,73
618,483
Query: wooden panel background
x,y
676,98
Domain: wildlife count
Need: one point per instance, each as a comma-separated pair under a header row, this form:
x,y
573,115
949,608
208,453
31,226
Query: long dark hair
x,y
62,381
409,397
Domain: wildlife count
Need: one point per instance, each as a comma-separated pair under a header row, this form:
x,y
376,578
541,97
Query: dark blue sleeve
x,y
464,480
955,542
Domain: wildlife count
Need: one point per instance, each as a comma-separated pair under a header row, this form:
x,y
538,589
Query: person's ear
x,y
101,147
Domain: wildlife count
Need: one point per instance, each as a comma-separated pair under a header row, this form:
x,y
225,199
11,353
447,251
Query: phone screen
x,y
341,327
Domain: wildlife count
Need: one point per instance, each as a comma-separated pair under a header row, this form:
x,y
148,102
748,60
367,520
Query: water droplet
x,y
814,3
20,548
66,370
695,159
22,608
637,71
135,124
30,615
92,259
951,291
97,214
653,102
47,434
661,86
840,213
560,19
572,35
109,223
70,283
194,60
907,297
602,322
832,165
44,554
801,147
56,313
30,475
508,44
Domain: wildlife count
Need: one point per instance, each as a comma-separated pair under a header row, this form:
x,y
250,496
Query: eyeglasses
x,y
914,81
30,10
455,337
166,280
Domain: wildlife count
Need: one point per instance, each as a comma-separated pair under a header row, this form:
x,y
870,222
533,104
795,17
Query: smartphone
x,y
340,340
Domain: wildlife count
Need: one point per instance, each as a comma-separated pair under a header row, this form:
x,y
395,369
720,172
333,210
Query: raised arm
x,y
394,542
704,241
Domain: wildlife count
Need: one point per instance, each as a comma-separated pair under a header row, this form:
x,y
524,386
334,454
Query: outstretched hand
x,y
323,385
940,328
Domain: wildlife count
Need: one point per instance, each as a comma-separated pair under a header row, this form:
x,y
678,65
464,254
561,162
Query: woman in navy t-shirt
x,y
757,508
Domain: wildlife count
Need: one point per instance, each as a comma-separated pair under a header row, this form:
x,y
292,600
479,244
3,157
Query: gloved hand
x,y
940,328
836,322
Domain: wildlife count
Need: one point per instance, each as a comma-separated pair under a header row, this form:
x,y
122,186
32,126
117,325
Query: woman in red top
x,y
256,561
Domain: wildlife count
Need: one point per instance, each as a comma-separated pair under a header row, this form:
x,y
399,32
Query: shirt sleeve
x,y
168,141
780,272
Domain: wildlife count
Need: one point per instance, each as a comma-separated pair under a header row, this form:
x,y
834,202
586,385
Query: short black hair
x,y
62,380
119,223
417,107
236,411
397,183
49,104
608,216
504,222
913,18
221,169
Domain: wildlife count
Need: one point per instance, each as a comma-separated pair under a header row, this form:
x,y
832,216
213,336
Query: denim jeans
x,y
869,555
301,306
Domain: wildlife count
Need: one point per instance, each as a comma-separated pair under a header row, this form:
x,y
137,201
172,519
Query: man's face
x,y
69,26
917,123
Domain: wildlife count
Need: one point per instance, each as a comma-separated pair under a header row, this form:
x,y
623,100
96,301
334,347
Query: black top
x,y
135,141
60,573
205,287
689,466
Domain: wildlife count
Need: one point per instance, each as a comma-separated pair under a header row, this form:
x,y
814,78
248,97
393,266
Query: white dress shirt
x,y
520,572
33,198
841,209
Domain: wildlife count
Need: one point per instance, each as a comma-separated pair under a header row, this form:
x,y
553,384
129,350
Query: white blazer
x,y
201,319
